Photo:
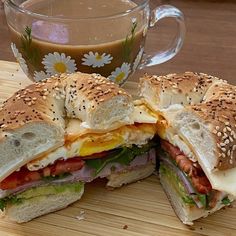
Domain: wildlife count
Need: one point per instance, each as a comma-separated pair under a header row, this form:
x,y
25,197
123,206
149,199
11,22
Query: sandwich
x,y
198,140
59,134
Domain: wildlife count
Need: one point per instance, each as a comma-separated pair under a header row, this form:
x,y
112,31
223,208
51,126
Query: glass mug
x,y
105,37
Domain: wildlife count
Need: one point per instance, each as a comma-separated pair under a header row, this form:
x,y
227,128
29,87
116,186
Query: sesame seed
x,y
222,144
226,141
217,127
223,149
231,139
219,134
44,97
214,131
228,128
223,155
225,136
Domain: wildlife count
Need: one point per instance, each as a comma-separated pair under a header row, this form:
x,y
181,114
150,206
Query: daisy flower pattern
x,y
19,58
138,59
41,75
55,63
145,31
96,59
120,74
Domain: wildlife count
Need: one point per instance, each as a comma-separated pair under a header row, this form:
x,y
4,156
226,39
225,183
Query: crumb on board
x,y
81,215
125,227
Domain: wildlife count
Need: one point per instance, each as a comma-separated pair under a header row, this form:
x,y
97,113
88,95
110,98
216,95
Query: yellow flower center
x,y
60,67
98,57
120,77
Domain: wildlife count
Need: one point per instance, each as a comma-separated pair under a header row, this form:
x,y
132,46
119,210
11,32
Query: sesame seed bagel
x,y
160,92
198,119
206,117
32,121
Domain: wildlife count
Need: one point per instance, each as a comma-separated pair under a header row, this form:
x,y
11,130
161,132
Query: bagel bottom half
x,y
41,200
185,212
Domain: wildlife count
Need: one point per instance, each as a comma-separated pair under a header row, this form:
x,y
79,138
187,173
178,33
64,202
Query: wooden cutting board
x,y
137,209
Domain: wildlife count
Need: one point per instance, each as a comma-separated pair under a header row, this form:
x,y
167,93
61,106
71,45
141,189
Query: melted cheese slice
x,y
223,180
220,180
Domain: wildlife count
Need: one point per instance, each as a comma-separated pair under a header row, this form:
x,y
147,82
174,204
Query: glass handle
x,y
175,46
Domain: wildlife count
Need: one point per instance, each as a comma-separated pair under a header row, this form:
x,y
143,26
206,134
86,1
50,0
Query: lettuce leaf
x,y
7,200
226,201
179,187
123,155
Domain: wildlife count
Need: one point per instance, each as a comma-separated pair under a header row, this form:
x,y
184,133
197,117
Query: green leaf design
x,y
31,53
129,42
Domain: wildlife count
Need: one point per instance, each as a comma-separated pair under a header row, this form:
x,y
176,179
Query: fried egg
x,y
84,142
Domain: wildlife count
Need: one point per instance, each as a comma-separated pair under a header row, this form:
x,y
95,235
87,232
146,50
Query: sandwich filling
x,y
188,179
84,157
42,192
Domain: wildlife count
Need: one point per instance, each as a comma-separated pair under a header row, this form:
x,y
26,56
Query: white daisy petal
x,y
19,58
58,63
96,59
120,74
41,75
138,59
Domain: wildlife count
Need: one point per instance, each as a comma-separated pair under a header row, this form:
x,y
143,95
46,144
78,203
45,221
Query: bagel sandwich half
x,y
198,140
59,134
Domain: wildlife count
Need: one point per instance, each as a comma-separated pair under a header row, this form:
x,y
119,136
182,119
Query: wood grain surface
x,y
210,43
136,210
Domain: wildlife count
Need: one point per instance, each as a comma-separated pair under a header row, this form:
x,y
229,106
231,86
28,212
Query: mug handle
x,y
175,46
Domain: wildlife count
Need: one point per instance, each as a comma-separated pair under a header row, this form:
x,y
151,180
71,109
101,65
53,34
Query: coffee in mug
x,y
52,37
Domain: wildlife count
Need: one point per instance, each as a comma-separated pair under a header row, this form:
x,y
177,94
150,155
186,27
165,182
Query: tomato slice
x,y
171,149
24,176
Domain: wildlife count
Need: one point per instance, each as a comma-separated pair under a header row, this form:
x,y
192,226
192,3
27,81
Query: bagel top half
x,y
199,117
33,120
